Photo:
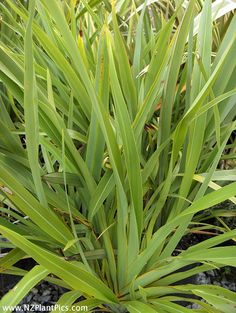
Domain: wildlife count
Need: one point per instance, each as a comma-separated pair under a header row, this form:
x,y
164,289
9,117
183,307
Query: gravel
x,y
41,296
224,277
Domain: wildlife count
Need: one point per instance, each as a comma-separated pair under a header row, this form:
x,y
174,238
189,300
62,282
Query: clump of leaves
x,y
114,119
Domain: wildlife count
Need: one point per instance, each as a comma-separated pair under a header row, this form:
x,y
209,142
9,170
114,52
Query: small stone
x,y
46,293
196,306
35,297
61,290
216,283
29,298
34,291
46,298
211,273
202,279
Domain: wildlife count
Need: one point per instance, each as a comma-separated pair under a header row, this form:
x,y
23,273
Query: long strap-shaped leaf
x,y
47,220
74,275
20,290
127,81
181,129
179,233
31,109
170,307
132,165
197,129
66,300
129,144
169,93
102,116
157,239
220,255
220,298
11,258
139,307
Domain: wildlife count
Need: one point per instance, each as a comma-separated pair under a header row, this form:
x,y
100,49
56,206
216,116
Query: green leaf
x,y
221,255
172,76
104,188
11,258
31,109
129,145
66,300
127,81
139,307
21,289
163,232
74,274
41,216
220,298
57,178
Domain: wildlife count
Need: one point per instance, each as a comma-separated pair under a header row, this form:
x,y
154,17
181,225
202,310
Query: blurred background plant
x,y
117,124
